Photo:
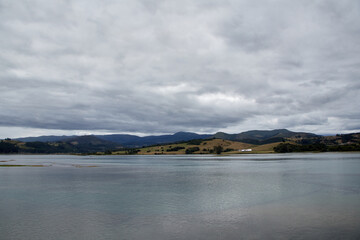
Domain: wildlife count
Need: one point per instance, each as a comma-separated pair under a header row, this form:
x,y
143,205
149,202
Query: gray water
x,y
276,196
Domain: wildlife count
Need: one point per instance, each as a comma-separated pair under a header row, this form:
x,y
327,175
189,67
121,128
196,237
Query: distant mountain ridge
x,y
135,141
283,139
50,138
88,140
127,140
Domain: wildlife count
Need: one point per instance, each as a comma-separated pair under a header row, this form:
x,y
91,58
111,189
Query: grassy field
x,y
266,148
203,147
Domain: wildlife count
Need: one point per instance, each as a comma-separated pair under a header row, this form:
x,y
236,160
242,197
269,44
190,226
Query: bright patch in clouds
x,y
221,98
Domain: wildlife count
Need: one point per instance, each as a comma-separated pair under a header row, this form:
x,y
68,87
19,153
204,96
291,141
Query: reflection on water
x,y
289,196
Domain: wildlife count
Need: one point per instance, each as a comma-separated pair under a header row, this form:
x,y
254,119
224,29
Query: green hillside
x,y
260,137
82,144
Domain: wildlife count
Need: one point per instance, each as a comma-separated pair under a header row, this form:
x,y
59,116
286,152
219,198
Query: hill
x,y
339,143
201,146
82,144
299,142
341,139
260,137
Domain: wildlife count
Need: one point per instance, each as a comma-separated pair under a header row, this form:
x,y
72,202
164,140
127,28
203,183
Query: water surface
x,y
276,196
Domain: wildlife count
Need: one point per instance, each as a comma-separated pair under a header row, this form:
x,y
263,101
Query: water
x,y
276,196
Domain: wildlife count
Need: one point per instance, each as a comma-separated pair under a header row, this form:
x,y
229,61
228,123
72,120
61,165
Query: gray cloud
x,y
164,66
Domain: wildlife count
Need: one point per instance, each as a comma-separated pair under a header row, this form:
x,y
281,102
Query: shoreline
x,y
161,154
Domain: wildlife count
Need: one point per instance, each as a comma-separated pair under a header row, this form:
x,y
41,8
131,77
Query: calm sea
x,y
277,196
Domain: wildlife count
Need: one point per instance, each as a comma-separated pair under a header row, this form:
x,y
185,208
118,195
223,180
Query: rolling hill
x,y
260,137
200,146
81,144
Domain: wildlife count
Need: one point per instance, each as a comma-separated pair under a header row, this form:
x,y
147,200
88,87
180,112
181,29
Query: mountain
x,y
50,138
264,136
125,140
135,141
90,143
120,138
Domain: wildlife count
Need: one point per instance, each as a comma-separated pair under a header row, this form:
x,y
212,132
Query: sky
x,y
154,66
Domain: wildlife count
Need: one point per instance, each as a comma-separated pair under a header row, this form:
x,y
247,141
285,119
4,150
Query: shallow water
x,y
276,196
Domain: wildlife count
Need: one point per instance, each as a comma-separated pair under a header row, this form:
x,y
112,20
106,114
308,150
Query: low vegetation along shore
x,y
15,165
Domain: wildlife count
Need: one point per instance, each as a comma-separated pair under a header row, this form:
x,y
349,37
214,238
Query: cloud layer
x,y
154,66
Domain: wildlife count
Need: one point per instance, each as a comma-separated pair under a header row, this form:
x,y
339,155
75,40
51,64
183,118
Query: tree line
x,y
315,147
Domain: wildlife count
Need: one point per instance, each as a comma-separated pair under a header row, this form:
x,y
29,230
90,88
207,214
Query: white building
x,y
246,150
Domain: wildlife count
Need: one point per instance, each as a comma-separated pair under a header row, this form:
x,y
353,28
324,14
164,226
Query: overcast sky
x,y
154,66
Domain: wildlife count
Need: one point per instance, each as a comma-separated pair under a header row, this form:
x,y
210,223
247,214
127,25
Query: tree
x,y
218,149
132,151
108,152
192,150
6,147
